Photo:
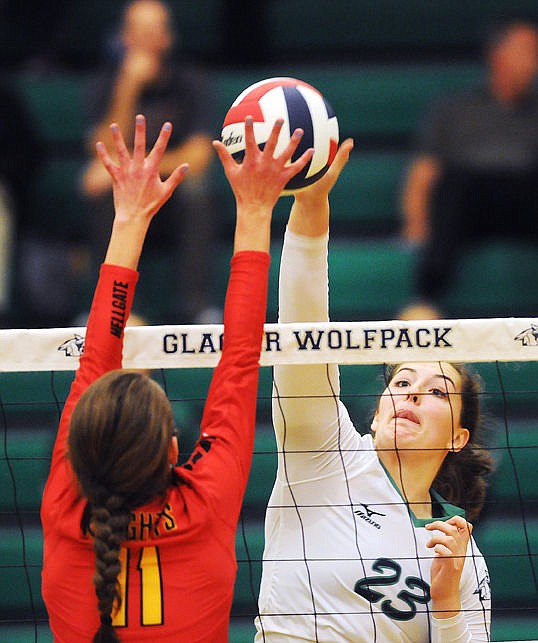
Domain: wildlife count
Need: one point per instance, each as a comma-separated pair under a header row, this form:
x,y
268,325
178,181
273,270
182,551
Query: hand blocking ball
x,y
300,105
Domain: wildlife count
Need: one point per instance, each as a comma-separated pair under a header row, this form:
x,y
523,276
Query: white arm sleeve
x,y
305,398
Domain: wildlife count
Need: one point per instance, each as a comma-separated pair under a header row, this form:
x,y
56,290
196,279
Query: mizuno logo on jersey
x,y
366,514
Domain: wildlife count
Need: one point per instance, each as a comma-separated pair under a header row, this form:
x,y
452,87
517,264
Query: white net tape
x,y
347,343
456,340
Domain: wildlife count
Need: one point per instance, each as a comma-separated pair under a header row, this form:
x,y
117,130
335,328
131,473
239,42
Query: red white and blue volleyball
x,y
301,106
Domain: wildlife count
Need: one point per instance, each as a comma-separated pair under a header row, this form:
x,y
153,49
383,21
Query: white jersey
x,y
345,559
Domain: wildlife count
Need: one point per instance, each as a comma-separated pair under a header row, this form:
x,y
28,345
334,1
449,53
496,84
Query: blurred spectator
x,y
475,174
142,77
19,161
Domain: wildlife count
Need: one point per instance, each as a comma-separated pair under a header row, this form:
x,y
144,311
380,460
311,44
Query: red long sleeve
x,y
180,551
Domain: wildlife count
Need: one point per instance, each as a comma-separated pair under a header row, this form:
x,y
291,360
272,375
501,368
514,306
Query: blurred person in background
x,y
474,175
142,76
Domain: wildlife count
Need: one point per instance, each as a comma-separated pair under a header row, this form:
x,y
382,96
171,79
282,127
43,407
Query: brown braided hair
x,y
119,440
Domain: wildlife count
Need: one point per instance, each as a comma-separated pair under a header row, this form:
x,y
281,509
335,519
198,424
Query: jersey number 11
x,y
151,590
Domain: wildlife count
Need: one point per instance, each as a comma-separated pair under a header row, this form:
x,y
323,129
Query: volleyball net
x,y
37,367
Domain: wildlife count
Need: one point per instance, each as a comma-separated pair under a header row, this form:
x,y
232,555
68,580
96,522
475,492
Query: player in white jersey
x,y
359,545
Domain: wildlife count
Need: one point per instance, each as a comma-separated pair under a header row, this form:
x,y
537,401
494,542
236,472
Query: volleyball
x,y
301,106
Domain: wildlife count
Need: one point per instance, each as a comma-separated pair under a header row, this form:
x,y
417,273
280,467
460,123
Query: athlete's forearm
x,y
103,343
306,392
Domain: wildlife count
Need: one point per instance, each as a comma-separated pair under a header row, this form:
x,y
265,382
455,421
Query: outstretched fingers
x,y
175,179
119,144
158,150
297,165
272,141
261,177
105,159
290,168
121,151
138,189
341,158
224,155
139,146
250,138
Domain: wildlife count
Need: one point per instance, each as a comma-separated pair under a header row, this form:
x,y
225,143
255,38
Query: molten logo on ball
x,y
300,105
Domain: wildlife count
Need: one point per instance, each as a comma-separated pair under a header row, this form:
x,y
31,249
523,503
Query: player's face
x,y
421,409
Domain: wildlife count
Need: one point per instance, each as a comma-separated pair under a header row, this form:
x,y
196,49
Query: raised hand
x,y
322,187
137,186
257,183
260,178
449,541
138,190
310,210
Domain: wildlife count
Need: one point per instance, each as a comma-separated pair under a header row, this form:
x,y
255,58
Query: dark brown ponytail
x,y
109,525
463,477
119,442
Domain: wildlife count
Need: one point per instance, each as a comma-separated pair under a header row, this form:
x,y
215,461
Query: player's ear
x,y
173,450
459,439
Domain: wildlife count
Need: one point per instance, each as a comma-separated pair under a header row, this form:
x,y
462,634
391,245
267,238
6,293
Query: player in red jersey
x,y
136,548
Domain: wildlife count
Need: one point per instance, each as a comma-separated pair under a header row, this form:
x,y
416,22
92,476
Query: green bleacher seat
x,y
55,102
24,467
35,386
265,390
187,391
25,632
516,452
186,384
34,400
262,473
509,388
387,101
368,279
495,279
241,629
361,387
249,543
515,625
364,202
510,547
365,199
17,597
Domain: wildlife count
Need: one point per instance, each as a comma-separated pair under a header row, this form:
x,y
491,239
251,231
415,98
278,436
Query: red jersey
x,y
178,564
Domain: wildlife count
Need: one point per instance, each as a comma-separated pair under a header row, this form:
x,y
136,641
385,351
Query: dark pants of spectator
x,y
469,208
